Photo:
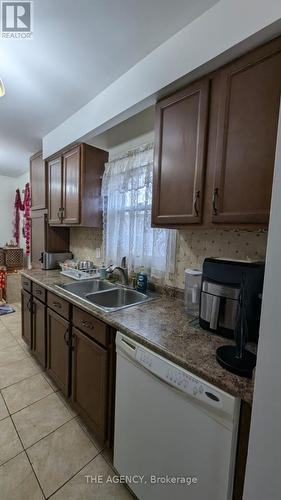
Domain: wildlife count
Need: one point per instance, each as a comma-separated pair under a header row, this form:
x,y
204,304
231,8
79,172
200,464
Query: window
x,y
127,196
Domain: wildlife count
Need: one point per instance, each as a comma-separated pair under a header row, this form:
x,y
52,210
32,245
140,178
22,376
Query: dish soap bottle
x,y
142,281
102,271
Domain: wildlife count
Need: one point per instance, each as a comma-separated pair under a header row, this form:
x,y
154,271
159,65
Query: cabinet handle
x,y
31,306
66,336
73,342
57,304
87,324
39,292
196,201
215,196
60,214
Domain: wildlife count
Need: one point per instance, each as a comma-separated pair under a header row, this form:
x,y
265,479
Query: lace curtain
x,y
127,197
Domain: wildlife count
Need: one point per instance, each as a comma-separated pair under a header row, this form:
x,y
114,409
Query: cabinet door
x,y
38,181
179,164
90,381
38,236
55,191
39,331
26,317
246,137
58,352
71,186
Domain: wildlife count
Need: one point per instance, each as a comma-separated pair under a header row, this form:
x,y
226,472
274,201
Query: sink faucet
x,y
123,271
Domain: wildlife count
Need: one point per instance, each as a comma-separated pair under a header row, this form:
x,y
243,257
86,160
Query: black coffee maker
x,y
220,296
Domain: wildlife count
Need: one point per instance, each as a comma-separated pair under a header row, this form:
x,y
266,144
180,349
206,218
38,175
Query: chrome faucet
x,y
123,271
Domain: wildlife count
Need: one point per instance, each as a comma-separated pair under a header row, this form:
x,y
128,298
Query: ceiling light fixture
x,y
2,88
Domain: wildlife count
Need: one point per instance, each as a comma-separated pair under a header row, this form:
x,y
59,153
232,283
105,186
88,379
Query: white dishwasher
x,y
175,435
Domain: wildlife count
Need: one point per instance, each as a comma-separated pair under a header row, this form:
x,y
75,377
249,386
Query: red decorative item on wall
x,y
25,207
18,206
3,275
26,204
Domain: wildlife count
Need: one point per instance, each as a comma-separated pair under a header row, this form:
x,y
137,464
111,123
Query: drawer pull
x,y
87,324
57,304
39,292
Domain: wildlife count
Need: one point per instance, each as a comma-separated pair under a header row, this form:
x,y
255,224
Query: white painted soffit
x,y
228,25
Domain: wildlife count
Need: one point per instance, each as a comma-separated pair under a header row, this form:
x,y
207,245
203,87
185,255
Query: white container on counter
x,y
192,291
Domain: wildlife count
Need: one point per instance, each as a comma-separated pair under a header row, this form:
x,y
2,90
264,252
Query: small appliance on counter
x,y
220,296
237,359
51,260
192,279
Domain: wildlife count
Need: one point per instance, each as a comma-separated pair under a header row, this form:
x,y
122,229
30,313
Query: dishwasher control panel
x,y
178,377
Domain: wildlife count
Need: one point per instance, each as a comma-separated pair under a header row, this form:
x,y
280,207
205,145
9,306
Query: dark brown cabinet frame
x,y
171,204
244,98
75,186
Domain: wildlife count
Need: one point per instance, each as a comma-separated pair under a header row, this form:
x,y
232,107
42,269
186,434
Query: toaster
x,y
51,260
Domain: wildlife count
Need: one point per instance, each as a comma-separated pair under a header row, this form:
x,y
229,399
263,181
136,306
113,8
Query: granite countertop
x,y
163,326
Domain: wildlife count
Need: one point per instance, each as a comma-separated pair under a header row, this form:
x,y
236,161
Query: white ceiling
x,y
79,48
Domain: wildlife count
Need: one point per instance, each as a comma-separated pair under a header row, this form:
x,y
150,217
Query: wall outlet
x,y
98,253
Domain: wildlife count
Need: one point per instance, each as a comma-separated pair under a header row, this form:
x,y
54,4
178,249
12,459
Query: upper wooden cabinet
x,y
75,187
180,147
55,190
38,181
71,186
246,136
237,161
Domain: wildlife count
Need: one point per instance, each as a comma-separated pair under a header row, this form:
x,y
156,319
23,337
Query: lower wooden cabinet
x,y
90,381
81,361
39,331
58,350
26,322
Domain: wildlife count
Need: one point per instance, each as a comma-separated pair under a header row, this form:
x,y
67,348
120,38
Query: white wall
x,y
263,477
8,186
223,32
7,196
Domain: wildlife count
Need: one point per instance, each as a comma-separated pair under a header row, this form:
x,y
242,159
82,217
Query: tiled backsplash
x,y
84,242
192,247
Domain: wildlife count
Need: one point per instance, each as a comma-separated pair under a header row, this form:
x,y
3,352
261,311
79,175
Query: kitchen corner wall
x,y
192,247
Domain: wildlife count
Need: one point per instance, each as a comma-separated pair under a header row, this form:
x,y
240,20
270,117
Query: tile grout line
x,y
47,435
12,458
28,458
27,406
14,383
76,473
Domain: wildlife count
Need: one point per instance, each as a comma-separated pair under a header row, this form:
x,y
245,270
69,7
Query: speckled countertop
x,y
163,326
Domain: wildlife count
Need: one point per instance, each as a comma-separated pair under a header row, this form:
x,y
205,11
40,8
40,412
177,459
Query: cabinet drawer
x,y
26,284
59,305
39,292
91,326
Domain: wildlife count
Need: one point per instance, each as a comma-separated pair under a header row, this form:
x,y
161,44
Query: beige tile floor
x,y
45,449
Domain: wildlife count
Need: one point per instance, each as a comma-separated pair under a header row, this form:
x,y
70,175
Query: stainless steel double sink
x,y
105,295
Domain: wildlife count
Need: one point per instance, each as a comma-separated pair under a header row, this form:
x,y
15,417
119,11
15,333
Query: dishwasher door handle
x,y
126,345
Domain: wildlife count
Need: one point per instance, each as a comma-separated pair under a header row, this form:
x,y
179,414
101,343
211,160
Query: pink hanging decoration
x,y
17,207
27,232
